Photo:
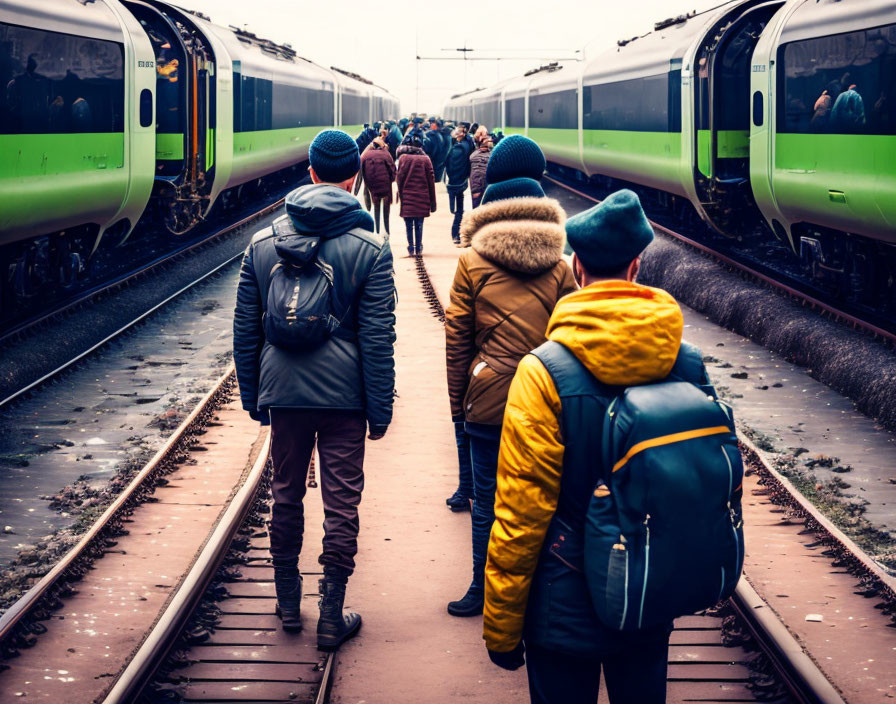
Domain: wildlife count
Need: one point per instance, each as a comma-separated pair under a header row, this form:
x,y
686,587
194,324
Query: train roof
x,y
557,76
820,18
95,20
663,49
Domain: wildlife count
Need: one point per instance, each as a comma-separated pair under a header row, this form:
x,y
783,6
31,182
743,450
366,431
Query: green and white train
x,y
112,111
763,114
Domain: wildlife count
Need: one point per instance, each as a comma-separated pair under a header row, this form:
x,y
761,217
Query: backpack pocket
x,y
298,316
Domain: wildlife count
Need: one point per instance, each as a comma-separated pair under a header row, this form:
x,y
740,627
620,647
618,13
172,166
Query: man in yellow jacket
x,y
535,593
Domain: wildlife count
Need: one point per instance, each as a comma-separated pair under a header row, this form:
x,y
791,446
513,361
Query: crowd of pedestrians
x,y
539,351
457,154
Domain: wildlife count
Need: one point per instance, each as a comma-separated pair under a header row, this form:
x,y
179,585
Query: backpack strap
x,y
571,377
584,402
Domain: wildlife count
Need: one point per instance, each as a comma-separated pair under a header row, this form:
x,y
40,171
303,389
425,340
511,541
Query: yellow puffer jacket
x,y
625,334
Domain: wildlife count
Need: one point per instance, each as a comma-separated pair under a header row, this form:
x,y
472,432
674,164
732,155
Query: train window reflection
x,y
840,84
53,83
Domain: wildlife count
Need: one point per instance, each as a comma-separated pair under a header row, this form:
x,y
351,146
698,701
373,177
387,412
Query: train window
x,y
841,84
488,113
354,109
145,107
52,83
297,106
758,109
649,104
558,110
516,113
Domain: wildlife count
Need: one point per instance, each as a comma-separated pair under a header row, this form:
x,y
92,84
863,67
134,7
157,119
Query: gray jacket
x,y
354,369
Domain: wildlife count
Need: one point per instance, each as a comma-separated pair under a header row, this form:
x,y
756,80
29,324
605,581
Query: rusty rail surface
x,y
167,629
21,620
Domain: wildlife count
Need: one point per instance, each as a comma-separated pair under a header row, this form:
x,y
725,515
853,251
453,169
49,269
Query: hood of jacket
x,y
318,212
408,149
624,333
520,234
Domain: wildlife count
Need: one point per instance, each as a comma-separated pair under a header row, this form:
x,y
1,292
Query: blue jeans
x,y
414,227
485,441
456,204
464,461
633,676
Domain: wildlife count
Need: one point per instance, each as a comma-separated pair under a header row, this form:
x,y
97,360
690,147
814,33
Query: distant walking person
x,y
416,190
457,167
478,165
313,336
503,294
378,170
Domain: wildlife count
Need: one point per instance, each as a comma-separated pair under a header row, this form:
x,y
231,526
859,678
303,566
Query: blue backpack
x,y
663,529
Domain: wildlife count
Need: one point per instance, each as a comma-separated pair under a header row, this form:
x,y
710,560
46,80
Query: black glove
x,y
511,660
459,418
376,432
263,417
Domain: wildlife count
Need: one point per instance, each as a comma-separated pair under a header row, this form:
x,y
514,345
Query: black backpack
x,y
299,312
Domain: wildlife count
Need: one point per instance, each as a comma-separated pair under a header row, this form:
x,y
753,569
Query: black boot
x,y
288,584
334,627
470,604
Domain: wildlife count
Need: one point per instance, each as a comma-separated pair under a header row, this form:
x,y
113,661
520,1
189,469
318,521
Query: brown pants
x,y
340,444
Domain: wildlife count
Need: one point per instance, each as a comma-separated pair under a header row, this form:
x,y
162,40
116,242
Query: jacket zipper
x,y
646,568
625,591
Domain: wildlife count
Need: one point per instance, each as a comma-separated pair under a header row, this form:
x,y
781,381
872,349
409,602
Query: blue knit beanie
x,y
514,188
611,234
515,157
334,156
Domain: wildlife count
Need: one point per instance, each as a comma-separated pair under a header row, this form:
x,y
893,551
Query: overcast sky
x,y
380,40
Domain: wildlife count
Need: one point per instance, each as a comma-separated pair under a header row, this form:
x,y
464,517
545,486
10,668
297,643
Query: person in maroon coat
x,y
378,171
416,190
478,165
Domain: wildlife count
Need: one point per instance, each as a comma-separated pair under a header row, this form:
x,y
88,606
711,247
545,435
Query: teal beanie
x,y
515,157
611,234
334,156
514,188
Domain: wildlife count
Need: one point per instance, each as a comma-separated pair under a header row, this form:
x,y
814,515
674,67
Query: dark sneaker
x,y
458,502
469,605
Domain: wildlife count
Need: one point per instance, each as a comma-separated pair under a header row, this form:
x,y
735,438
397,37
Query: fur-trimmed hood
x,y
520,234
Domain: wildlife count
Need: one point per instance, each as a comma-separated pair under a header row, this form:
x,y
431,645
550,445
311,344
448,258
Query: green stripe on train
x,y
26,155
813,170
170,147
730,144
58,180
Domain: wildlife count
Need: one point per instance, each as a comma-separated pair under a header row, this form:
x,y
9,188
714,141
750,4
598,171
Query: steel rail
x,y
94,536
802,677
166,630
800,674
123,280
774,283
93,348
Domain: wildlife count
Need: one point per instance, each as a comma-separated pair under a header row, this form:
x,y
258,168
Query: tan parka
x,y
504,292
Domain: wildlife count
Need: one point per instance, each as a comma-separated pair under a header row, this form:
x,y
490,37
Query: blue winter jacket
x,y
354,369
457,165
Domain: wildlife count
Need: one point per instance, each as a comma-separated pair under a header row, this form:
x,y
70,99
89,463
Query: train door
x,y
185,114
722,119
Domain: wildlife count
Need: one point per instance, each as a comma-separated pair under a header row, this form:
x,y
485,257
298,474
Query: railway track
x,y
217,639
851,319
799,679
92,295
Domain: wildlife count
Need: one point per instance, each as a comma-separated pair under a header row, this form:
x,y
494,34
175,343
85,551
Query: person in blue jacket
x,y
457,167
333,394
